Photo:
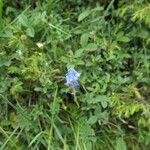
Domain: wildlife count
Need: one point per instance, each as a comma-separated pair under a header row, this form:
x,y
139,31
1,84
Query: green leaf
x,y
84,14
37,89
13,69
80,62
100,98
30,32
92,120
104,104
79,53
23,20
7,63
103,99
98,111
86,131
64,59
84,39
98,8
124,39
91,47
143,33
120,144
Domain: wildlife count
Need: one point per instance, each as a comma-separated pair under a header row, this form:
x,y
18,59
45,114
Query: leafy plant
x,y
107,42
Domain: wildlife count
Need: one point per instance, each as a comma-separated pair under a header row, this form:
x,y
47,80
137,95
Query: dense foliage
x,y
108,42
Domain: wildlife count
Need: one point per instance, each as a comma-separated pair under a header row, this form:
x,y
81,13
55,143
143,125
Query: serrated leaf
x,y
91,47
84,39
84,14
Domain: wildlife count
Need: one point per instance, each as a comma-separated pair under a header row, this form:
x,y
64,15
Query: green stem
x,y
75,98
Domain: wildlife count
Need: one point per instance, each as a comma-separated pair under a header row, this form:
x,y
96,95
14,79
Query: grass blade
x,y
35,138
9,138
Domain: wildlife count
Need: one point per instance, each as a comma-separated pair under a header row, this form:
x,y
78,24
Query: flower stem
x,y
75,98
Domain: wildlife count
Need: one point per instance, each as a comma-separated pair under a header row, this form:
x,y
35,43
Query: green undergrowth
x,y
108,42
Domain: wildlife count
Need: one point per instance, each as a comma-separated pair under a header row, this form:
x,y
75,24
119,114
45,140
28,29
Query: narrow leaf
x,y
84,14
84,39
35,138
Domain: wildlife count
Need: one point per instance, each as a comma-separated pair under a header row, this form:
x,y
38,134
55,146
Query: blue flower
x,y
72,77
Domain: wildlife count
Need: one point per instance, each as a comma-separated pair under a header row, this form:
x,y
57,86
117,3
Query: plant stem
x,y
74,95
